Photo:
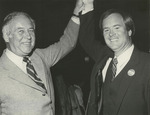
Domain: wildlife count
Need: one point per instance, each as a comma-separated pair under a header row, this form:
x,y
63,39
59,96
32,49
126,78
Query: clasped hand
x,y
81,5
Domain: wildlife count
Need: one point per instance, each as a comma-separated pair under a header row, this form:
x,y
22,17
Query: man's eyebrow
x,y
19,28
116,25
23,28
105,28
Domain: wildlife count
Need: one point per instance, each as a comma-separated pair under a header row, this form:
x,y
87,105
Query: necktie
x,y
114,67
32,73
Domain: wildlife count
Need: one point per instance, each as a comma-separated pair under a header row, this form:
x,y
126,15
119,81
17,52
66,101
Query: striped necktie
x,y
32,73
114,67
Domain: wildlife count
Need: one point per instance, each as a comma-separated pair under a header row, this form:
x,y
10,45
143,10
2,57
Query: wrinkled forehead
x,y
20,22
21,19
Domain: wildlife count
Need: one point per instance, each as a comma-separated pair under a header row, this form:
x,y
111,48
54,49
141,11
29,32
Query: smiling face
x,y
21,37
115,33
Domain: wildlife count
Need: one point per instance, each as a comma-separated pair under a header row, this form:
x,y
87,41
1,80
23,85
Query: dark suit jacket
x,y
134,92
19,95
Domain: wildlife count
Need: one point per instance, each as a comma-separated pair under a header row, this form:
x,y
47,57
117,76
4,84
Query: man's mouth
x,y
27,43
113,39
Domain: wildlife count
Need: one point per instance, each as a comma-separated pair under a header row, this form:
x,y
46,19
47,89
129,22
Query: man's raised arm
x,y
87,34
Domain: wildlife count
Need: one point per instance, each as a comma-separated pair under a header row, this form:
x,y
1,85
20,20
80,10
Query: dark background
x,y
52,16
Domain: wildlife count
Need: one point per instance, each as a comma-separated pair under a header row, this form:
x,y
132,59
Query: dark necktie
x,y
32,73
114,67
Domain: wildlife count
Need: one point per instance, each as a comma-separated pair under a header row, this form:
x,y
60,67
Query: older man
x,y
26,86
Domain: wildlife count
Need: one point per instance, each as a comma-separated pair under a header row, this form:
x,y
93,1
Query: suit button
x,y
43,94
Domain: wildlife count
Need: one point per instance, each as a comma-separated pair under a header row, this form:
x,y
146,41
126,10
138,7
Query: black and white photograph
x,y
75,57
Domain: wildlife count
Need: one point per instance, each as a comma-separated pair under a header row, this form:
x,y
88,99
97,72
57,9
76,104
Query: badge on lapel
x,y
99,72
131,72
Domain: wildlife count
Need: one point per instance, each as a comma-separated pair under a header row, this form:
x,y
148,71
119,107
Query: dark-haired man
x,y
120,80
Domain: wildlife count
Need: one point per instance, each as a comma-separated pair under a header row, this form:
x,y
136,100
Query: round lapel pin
x,y
131,72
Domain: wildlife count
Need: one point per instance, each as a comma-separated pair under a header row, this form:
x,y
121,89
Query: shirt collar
x,y
125,55
14,58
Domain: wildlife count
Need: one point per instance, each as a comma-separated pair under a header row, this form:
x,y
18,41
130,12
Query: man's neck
x,y
118,53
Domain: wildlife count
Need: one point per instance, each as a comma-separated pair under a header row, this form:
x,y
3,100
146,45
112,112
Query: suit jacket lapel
x,y
128,73
15,73
100,65
38,65
36,62
44,75
97,68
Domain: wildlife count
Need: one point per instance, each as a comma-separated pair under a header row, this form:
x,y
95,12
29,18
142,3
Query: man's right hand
x,y
88,6
84,6
86,2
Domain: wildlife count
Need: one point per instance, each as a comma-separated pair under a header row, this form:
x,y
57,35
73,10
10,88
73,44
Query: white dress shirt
x,y
122,61
16,60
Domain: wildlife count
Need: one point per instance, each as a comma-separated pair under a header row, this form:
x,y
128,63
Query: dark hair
x,y
126,18
12,15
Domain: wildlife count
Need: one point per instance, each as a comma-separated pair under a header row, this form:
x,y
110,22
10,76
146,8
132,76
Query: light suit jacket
x,y
19,95
134,92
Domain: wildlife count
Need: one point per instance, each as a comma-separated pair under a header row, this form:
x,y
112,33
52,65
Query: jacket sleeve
x,y
58,50
93,47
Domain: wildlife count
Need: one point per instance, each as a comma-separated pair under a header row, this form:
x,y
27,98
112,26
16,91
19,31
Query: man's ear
x,y
6,34
6,37
130,33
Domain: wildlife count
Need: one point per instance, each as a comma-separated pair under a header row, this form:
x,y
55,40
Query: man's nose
x,y
112,33
28,35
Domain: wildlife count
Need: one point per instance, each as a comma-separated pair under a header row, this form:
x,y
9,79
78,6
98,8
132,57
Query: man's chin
x,y
113,47
27,52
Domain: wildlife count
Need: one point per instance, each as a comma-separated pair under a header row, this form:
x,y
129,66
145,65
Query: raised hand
x,y
88,1
88,6
78,7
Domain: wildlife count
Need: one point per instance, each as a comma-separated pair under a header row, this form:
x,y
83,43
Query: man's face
x,y
115,33
22,37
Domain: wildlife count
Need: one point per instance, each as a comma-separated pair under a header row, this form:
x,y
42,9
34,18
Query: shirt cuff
x,y
75,19
87,8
